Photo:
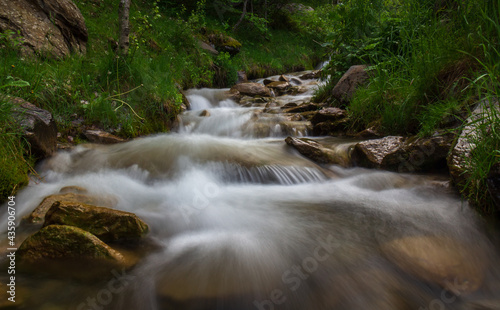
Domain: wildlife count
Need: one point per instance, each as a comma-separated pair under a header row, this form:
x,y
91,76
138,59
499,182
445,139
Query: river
x,y
240,220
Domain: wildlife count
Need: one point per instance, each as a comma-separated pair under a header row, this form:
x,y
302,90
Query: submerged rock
x,y
252,89
38,215
106,224
65,242
349,82
438,260
316,152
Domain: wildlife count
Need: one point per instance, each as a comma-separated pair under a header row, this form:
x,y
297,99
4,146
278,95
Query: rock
x,y
225,43
283,78
311,75
73,189
207,47
331,128
465,144
293,8
374,153
38,215
267,81
316,152
64,242
252,89
279,87
106,224
39,127
296,90
204,113
349,82
328,114
49,27
295,128
302,108
295,81
102,137
438,260
242,77
368,133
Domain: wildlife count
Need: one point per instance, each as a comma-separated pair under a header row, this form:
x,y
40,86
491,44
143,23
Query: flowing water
x,y
239,220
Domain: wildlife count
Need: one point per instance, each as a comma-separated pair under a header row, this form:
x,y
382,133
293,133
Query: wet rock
x,y
252,89
295,128
64,242
279,87
38,215
242,77
267,81
349,82
302,108
106,224
466,143
283,78
331,128
295,81
311,75
50,27
438,260
204,113
328,115
38,125
73,189
102,137
374,153
316,152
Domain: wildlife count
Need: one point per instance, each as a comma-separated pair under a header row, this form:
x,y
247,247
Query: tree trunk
x,y
123,13
242,16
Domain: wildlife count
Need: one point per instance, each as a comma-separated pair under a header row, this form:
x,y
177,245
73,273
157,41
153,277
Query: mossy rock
x,y
107,224
38,215
65,242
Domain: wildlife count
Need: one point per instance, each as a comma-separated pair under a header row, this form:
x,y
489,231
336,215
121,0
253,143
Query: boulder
x,y
38,215
283,78
465,143
311,75
204,113
328,115
38,125
316,152
102,137
252,89
64,242
331,128
306,107
439,260
374,153
279,87
349,82
106,224
48,27
225,43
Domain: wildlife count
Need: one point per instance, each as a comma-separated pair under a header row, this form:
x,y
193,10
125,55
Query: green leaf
x,y
11,82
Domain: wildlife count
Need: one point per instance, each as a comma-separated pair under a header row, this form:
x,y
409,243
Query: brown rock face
x,y
39,127
350,81
374,153
252,89
106,224
38,215
316,152
49,27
